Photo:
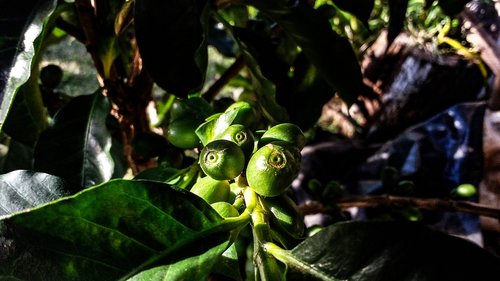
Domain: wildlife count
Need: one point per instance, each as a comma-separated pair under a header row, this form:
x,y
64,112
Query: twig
x,y
229,74
367,201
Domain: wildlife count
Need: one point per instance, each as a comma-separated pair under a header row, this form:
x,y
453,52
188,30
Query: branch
x,y
433,204
229,74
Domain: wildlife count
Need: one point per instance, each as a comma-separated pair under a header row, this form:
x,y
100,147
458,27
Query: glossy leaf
x,y
110,231
77,147
216,125
362,9
389,251
172,39
17,52
22,189
330,53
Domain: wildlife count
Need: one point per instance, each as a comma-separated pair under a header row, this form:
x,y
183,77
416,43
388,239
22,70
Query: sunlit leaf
x,y
77,147
22,189
17,51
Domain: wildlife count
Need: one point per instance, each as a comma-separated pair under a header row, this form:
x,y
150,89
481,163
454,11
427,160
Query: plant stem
x,y
267,267
229,74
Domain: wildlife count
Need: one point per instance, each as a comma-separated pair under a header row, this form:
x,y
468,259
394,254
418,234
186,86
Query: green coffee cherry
x,y
465,190
211,190
286,132
222,159
272,168
182,133
171,157
240,135
285,215
191,108
225,209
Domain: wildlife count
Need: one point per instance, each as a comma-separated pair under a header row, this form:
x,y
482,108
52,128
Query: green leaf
x,y
30,18
330,53
215,126
374,251
177,60
109,231
22,189
77,147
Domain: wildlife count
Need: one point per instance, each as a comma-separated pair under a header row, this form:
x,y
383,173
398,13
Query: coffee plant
x,y
177,162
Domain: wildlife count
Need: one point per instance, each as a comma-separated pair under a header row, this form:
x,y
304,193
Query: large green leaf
x,y
24,189
330,53
77,147
109,231
172,40
28,18
374,251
